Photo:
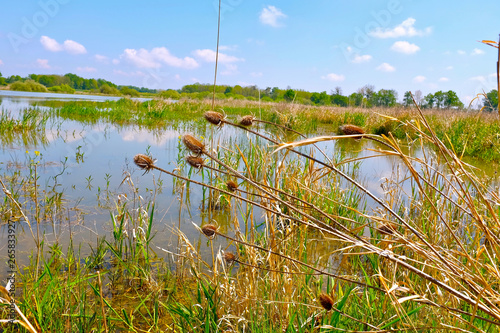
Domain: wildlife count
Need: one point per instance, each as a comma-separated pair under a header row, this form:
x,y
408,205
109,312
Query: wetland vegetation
x,y
243,225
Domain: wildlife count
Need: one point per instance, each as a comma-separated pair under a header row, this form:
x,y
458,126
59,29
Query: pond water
x,y
91,168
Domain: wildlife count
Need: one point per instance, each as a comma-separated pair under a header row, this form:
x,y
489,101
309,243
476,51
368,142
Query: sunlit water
x,y
92,165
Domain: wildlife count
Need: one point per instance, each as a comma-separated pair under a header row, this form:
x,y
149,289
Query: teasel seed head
x,y
195,161
326,301
351,130
209,230
232,185
144,162
229,257
386,229
193,144
247,120
214,117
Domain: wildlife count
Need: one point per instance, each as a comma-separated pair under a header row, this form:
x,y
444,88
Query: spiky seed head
x,y
229,257
326,301
386,229
193,144
232,185
144,162
351,130
209,230
195,161
213,117
247,120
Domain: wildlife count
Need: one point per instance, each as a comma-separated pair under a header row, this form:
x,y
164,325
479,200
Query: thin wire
x,y
216,57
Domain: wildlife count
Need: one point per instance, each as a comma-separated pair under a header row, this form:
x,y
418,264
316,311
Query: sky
x,y
314,45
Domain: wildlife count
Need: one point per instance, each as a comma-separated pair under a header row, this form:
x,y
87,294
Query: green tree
x,y
289,95
407,99
129,91
452,100
320,98
384,97
340,100
490,103
170,94
355,99
429,101
439,99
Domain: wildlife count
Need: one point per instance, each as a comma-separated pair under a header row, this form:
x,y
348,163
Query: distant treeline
x,y
365,96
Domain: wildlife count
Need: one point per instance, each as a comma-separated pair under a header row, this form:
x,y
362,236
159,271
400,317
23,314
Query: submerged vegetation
x,y
292,239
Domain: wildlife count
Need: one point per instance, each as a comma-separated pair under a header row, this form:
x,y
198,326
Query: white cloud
x,y
461,52
69,46
256,74
405,47
405,29
86,69
230,69
115,61
209,56
334,77
479,78
385,67
443,79
43,63
271,15
157,57
120,72
101,58
361,58
477,52
449,68
419,79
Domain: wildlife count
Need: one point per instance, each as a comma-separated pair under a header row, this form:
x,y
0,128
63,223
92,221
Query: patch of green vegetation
x,y
28,85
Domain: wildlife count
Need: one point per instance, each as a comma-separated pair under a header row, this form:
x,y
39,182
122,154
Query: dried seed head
x,y
195,162
213,117
351,130
247,120
193,144
386,229
209,230
229,257
144,162
326,301
231,185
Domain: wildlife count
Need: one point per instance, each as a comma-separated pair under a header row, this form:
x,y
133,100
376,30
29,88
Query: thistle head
x,y
193,144
209,230
214,117
326,301
351,130
144,162
195,161
229,257
232,185
247,120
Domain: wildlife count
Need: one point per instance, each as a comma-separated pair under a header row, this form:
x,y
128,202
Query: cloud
x,y
271,15
43,63
334,77
69,46
230,69
405,29
385,67
443,79
449,68
461,52
1,62
115,61
419,79
361,58
86,69
256,74
155,58
101,59
120,72
477,52
208,55
479,78
404,47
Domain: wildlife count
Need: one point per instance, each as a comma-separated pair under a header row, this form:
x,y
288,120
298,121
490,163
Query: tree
x,y
320,98
418,97
452,100
289,95
428,101
337,91
439,99
384,97
490,103
355,99
407,99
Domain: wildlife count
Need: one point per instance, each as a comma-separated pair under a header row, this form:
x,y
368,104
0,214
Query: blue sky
x,y
315,45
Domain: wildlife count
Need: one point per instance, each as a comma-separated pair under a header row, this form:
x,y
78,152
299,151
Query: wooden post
x,y
498,76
